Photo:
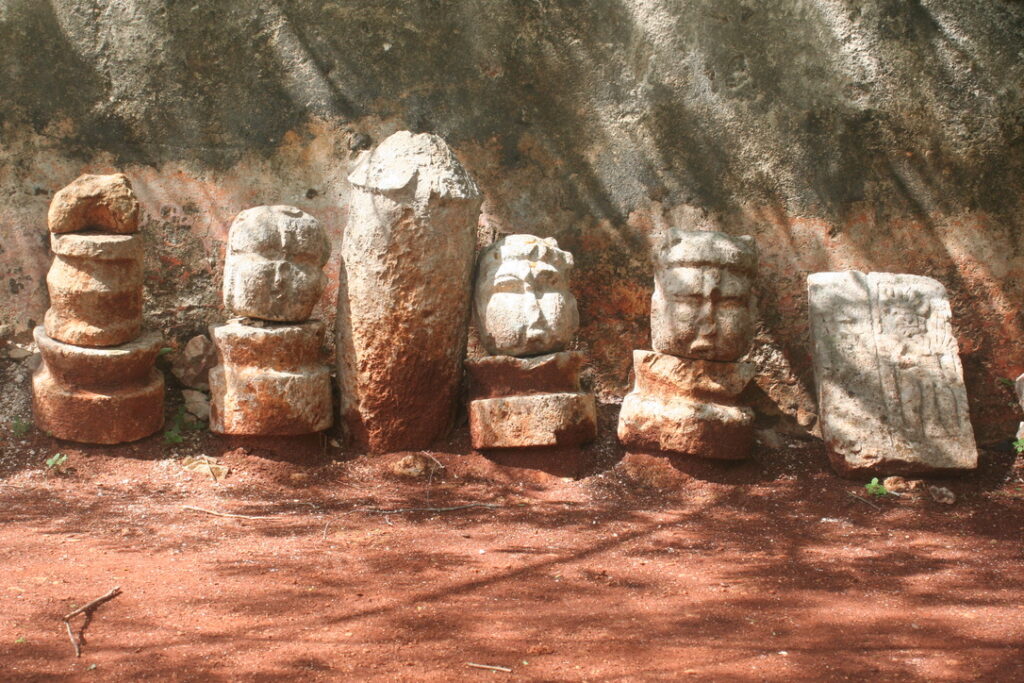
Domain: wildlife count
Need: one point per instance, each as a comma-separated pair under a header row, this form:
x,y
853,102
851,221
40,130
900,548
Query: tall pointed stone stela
x,y
404,292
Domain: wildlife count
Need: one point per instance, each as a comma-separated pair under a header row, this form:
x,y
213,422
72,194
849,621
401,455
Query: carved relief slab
x,y
890,384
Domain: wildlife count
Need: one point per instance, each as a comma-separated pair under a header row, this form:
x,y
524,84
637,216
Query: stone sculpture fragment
x,y
404,292
685,397
890,384
97,382
269,378
528,393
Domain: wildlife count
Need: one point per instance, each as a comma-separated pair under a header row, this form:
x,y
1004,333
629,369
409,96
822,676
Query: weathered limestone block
x,y
404,292
890,385
274,264
523,304
687,406
92,395
529,402
95,285
701,306
269,379
95,202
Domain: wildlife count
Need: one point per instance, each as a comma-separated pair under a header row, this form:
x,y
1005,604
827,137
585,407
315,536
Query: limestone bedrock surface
x,y
95,202
98,395
702,305
95,285
522,300
274,264
269,379
688,407
890,385
404,292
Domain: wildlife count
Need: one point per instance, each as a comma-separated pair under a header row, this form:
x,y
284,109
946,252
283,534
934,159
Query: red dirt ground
x,y
643,569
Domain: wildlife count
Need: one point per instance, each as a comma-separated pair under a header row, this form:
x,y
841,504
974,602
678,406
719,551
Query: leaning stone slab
x,y
105,396
404,293
269,379
890,384
687,407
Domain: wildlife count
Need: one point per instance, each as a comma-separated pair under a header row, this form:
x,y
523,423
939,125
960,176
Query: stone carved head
x,y
702,306
523,303
274,265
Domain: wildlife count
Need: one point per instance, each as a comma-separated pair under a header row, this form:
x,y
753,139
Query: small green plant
x,y
182,422
20,427
57,463
1018,446
19,640
164,351
875,488
1006,382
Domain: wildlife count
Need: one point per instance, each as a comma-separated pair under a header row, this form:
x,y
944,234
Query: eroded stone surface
x,y
269,380
91,395
687,406
890,384
537,420
685,425
492,376
702,306
660,374
273,268
95,285
404,292
95,202
522,301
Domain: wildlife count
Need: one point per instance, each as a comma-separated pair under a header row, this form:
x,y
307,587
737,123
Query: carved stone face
x,y
523,303
274,264
701,307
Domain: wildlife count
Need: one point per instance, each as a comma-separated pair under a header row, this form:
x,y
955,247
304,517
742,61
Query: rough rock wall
x,y
867,134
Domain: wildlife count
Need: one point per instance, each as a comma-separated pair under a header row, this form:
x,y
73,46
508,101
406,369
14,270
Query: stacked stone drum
x,y
97,382
270,378
527,393
685,395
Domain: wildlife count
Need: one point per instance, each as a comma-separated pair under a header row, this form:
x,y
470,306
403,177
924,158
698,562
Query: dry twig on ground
x,y
221,514
490,667
86,609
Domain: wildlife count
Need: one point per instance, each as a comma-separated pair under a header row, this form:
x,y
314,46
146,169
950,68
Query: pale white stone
x,y
273,269
702,306
404,292
890,384
523,304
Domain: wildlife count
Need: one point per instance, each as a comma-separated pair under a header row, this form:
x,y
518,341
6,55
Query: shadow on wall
x,y
876,135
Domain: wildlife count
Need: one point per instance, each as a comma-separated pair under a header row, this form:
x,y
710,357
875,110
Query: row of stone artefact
x,y
890,384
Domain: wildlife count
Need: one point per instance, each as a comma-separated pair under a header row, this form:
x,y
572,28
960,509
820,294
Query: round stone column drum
x,y
95,286
269,379
104,396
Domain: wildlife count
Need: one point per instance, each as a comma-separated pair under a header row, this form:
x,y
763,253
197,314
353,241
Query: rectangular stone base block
x,y
250,401
107,416
685,425
536,420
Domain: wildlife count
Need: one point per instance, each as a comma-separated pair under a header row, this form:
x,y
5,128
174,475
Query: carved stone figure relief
x,y
270,378
685,394
890,384
527,394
